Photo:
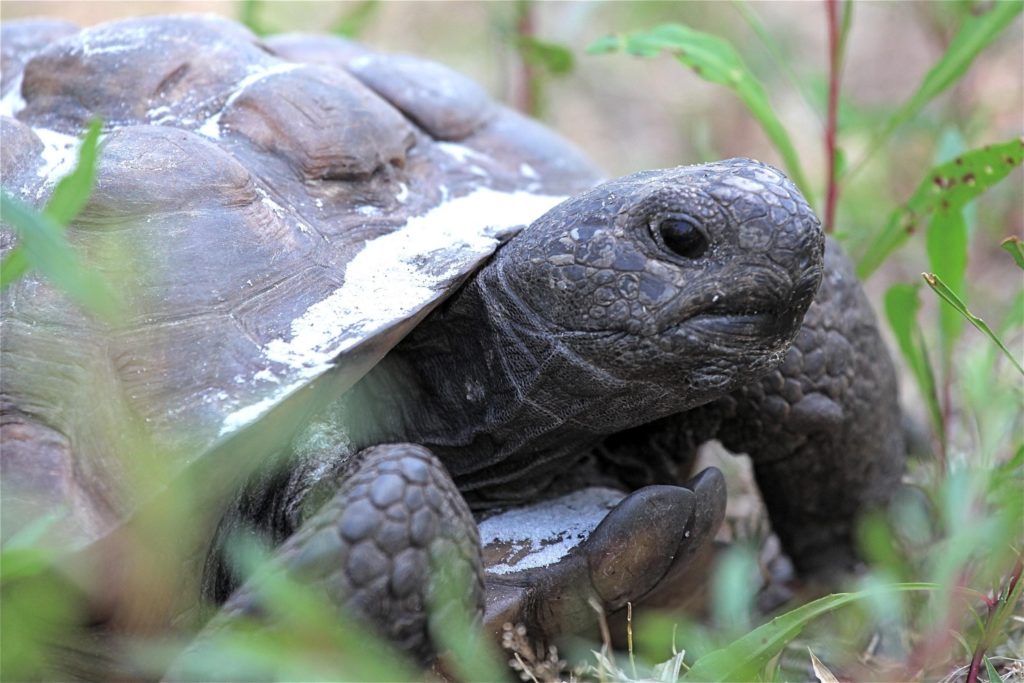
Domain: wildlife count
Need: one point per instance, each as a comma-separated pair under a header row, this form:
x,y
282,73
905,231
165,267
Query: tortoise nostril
x,y
683,237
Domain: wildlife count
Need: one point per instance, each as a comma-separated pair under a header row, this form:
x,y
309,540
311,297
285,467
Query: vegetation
x,y
943,585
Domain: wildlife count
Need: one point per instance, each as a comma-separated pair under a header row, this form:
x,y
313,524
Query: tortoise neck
x,y
476,383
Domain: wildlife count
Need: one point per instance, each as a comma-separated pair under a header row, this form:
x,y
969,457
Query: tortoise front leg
x,y
824,430
371,549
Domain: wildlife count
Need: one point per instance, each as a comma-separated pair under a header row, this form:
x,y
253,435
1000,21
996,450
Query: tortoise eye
x,y
683,237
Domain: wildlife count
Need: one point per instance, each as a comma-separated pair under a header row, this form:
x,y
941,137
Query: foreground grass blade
x,y
48,250
68,199
715,60
976,33
940,288
742,659
947,187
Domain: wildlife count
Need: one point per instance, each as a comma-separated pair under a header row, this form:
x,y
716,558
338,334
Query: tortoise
x,y
370,314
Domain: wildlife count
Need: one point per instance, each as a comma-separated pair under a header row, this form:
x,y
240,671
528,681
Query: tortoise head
x,y
692,280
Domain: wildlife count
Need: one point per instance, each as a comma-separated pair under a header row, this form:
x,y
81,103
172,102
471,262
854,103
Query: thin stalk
x,y
781,62
993,609
832,121
525,29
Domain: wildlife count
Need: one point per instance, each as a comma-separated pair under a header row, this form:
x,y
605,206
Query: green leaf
x,y
248,14
976,33
47,250
715,60
902,304
947,187
14,266
990,671
72,192
950,297
1015,248
355,21
946,242
556,59
605,45
68,199
742,659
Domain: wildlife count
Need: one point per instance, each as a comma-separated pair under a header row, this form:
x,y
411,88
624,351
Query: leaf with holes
x,y
947,187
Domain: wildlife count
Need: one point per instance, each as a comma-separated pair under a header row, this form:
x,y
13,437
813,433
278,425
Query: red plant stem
x,y
832,191
979,651
525,31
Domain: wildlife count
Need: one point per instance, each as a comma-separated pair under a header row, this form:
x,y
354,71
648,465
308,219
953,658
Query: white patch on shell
x,y
528,171
60,154
254,411
395,275
544,533
462,153
13,102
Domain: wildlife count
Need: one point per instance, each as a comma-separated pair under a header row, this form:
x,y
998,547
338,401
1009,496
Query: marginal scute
x,y
323,121
443,102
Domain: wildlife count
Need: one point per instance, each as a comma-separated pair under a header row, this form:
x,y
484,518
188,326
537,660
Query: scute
x,y
242,207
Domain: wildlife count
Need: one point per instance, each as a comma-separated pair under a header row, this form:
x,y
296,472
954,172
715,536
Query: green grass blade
x,y
1015,248
14,265
902,304
717,61
72,192
947,187
977,32
742,659
950,297
47,249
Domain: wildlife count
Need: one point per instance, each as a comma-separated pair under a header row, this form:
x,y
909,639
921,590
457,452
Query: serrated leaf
x,y
950,297
947,187
902,304
1015,248
742,659
714,59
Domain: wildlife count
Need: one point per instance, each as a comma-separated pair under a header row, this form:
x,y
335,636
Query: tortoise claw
x,y
636,544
